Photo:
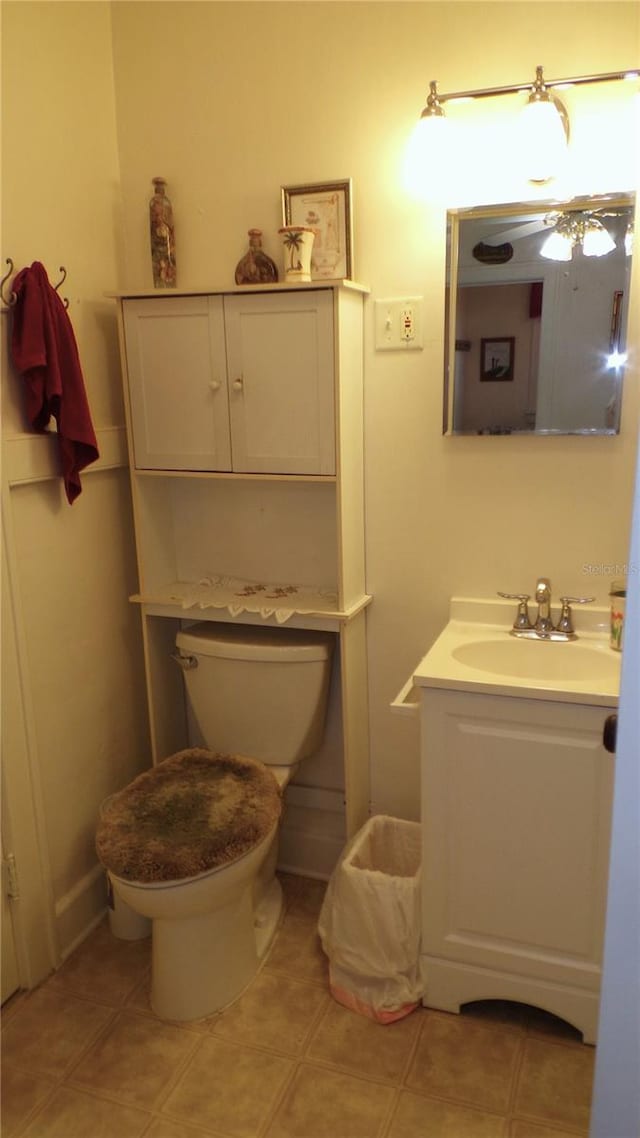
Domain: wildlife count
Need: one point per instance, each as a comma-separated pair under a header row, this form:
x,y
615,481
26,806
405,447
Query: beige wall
x,y
230,101
80,725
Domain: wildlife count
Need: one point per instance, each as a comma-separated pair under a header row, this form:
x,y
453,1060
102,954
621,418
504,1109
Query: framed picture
x,y
616,322
326,208
496,358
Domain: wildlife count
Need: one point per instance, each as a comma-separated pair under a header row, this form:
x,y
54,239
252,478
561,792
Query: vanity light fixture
x,y
571,229
545,125
428,145
431,128
544,115
433,108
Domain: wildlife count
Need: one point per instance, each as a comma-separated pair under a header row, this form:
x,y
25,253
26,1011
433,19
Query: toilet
x,y
192,843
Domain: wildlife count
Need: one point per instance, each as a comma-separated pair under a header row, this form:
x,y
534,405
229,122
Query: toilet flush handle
x,y
185,662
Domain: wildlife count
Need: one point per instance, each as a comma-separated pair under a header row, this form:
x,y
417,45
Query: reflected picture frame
x,y
616,321
497,358
324,207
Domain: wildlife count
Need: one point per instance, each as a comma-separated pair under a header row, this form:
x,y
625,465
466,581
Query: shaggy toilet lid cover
x,y
192,812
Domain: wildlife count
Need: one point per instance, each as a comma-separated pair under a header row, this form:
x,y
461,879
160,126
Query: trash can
x,y
369,923
123,922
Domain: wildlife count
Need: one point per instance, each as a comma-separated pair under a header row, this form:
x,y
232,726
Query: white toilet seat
x,y
196,812
208,936
211,928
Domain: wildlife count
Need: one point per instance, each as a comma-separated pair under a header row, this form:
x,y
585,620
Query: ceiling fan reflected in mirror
x,y
569,229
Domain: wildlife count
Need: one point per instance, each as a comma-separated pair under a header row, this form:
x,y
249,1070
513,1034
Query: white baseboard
x,y
449,984
79,910
313,834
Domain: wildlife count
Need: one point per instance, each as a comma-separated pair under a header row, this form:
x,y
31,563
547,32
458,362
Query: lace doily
x,y
238,596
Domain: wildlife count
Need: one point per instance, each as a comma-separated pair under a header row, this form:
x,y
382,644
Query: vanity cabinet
x,y
244,414
516,809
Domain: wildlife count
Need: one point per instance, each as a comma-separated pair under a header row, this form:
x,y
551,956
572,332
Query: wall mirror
x,y
536,315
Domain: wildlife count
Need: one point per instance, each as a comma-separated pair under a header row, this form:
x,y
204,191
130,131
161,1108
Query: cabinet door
x,y
176,366
516,810
280,353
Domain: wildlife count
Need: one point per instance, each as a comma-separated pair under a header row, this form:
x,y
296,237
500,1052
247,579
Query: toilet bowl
x,y
207,883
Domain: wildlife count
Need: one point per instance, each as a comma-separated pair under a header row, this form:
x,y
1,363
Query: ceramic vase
x,y
161,232
618,594
255,267
297,244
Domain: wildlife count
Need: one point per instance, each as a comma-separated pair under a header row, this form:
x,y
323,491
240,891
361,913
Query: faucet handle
x,y
522,616
565,624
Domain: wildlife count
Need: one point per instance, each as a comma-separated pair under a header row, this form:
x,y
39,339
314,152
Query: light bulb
x,y
544,141
426,158
557,247
596,241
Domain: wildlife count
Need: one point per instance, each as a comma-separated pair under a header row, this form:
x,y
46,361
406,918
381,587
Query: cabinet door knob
x,y
609,733
215,385
238,384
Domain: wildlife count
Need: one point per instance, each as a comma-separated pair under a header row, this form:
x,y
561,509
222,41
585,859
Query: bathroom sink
x,y
475,652
538,659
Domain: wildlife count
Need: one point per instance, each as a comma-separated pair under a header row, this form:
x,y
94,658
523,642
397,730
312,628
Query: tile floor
x,y
85,1057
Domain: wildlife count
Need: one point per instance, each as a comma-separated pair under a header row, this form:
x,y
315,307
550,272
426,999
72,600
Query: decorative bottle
x,y
163,249
255,267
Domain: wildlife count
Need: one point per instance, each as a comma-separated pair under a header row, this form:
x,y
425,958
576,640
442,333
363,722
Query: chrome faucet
x,y
544,628
544,623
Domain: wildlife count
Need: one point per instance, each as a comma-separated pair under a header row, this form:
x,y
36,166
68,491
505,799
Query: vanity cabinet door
x,y
176,365
280,357
517,801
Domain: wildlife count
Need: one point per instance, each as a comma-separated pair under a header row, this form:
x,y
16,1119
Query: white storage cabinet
x,y
232,383
245,430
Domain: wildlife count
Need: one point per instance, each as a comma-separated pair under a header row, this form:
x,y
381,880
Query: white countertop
x,y
585,670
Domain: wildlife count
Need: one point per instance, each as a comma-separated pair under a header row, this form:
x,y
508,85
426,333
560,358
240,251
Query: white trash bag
x,y
370,921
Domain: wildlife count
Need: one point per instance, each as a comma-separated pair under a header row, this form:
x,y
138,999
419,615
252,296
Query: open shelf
x,y
236,597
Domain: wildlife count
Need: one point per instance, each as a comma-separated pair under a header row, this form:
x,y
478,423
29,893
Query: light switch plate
x,y
398,323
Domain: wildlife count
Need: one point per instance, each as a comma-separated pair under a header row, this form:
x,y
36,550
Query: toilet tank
x,y
258,691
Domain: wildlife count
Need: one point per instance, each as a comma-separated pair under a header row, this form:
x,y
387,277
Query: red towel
x,y
45,353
